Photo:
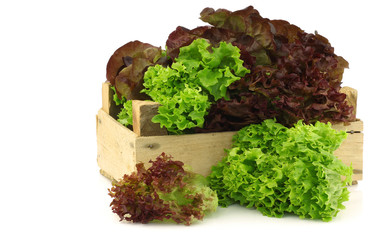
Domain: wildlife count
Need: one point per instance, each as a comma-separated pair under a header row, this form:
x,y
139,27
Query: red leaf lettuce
x,y
164,191
127,65
293,75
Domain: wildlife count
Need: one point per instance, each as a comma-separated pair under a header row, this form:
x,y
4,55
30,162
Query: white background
x,y
53,56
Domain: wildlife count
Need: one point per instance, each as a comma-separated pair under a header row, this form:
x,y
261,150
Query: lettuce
x,y
278,170
125,115
250,67
185,110
246,21
127,64
186,89
215,70
166,191
293,76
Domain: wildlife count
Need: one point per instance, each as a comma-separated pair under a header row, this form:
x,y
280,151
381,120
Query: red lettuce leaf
x,y
302,81
246,21
134,49
164,191
232,115
127,65
284,30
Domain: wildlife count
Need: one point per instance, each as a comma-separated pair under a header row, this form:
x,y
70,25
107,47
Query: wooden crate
x,y
119,149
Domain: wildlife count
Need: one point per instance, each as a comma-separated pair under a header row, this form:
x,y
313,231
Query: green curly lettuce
x,y
278,170
125,114
316,189
213,70
185,110
199,76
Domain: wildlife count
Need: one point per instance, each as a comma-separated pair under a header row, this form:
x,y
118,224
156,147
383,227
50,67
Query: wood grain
x,y
115,146
142,113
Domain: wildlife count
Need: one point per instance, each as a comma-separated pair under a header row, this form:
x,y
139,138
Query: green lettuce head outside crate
x,y
278,170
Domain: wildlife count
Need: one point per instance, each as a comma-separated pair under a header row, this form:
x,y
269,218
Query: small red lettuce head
x,y
166,191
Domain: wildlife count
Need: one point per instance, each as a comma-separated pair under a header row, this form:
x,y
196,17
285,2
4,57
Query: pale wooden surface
x,y
142,113
199,151
351,150
115,146
106,97
356,126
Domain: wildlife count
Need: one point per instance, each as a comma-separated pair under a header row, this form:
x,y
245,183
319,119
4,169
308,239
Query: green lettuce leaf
x,y
278,170
213,70
125,115
184,110
199,76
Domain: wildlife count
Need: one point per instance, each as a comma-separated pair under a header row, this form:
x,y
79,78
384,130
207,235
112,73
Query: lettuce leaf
x,y
184,110
125,115
279,170
126,66
247,21
199,76
166,191
215,69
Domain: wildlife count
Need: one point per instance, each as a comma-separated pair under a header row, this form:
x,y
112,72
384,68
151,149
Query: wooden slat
x,y
355,127
106,97
351,151
199,151
142,113
115,146
108,104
